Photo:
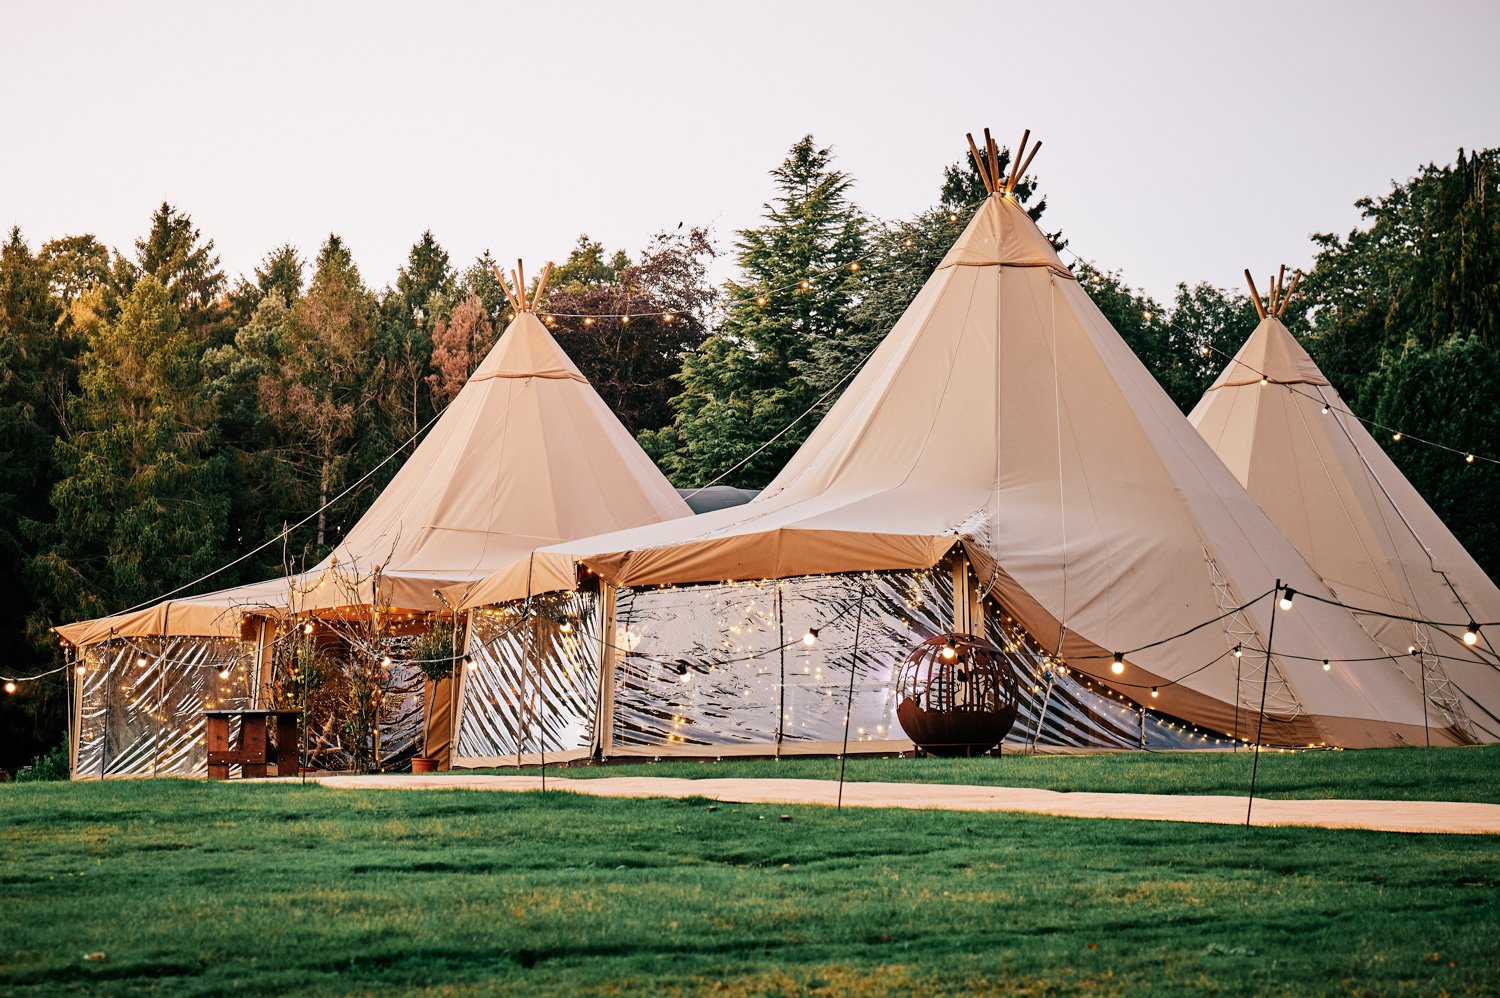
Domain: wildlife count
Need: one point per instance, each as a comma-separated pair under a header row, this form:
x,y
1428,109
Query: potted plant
x,y
435,653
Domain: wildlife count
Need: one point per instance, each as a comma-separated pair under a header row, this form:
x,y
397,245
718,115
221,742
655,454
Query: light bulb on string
x,y
949,652
1287,595
307,628
1326,408
1471,634
1468,459
952,216
10,686
1265,380
80,669
760,299
805,285
1117,665
224,672
1396,436
565,625
666,317
1154,694
1326,666
1239,651
588,320
140,662
811,637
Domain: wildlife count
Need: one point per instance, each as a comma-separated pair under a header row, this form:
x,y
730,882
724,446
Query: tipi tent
x,y
526,455
1288,437
1003,418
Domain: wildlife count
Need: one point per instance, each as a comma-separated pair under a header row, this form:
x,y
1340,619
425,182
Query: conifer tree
x,y
747,381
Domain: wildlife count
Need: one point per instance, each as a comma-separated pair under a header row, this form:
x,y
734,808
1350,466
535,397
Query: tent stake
x,y
1265,681
859,612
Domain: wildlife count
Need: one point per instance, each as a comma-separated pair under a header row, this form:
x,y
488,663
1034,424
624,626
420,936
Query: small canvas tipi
x,y
1285,433
526,455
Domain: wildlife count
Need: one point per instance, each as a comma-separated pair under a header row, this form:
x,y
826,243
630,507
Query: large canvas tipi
x,y
526,455
1003,419
1315,469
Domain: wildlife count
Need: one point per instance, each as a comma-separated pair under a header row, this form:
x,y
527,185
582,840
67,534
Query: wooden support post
x,y
1255,294
1290,291
1015,166
1021,173
979,163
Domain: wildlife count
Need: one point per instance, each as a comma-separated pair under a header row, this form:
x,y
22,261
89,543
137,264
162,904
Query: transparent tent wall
x,y
726,669
141,703
713,667
532,682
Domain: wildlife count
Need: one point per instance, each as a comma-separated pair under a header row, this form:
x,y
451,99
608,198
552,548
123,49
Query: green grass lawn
x,y
195,888
1464,774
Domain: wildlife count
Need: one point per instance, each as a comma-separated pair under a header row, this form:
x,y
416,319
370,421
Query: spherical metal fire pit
x,y
956,695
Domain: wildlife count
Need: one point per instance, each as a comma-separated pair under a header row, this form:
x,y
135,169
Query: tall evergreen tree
x,y
142,501
315,389
175,253
747,382
403,340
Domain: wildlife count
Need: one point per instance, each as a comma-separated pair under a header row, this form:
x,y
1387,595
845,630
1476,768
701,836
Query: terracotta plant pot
x,y
424,765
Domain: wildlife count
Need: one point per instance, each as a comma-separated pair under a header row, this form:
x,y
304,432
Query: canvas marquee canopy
x,y
1005,414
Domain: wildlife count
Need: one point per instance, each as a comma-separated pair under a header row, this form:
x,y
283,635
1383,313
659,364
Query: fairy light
x,y
307,628
1396,436
10,686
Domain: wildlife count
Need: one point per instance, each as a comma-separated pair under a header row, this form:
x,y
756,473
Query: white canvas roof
x,y
527,455
1004,412
1338,496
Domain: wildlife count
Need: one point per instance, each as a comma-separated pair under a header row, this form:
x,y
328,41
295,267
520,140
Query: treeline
x,y
159,419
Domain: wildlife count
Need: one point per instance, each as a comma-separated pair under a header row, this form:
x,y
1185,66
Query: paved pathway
x,y
1378,815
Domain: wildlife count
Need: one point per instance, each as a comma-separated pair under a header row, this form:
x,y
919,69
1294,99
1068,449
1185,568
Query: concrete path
x,y
1376,815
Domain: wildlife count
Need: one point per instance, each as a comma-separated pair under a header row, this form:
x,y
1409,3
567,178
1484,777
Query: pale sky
x,y
1182,141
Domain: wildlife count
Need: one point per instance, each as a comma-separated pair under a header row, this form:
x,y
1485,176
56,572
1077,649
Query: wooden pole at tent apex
x,y
1297,276
1260,307
505,286
987,162
980,165
1015,166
